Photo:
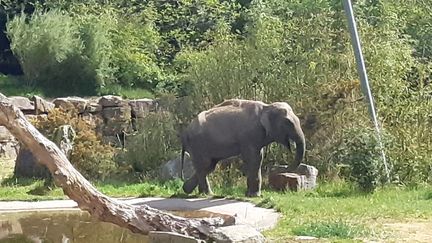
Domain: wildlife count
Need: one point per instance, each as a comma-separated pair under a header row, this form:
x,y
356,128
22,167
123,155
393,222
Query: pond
x,y
70,226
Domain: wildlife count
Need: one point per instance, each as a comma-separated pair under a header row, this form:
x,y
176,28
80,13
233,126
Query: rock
x,y
27,166
64,138
42,106
170,237
2,96
116,120
171,169
237,234
93,107
5,135
119,113
141,107
22,103
70,103
286,181
309,172
112,101
112,127
9,149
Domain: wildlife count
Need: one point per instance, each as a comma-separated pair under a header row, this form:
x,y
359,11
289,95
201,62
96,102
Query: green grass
x,y
129,93
326,229
335,211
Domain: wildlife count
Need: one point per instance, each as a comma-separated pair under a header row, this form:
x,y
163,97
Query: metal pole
x,y
361,68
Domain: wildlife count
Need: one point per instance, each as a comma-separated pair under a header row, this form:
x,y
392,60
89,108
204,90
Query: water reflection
x,y
65,227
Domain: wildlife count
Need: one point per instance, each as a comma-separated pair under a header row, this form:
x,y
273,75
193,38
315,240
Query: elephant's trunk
x,y
300,148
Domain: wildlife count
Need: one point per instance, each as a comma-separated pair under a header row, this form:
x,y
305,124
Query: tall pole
x,y
361,69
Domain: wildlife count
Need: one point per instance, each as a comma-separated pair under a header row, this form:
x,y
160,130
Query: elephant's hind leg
x,y
203,183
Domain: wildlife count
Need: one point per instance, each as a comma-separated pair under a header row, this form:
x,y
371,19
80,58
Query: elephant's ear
x,y
265,119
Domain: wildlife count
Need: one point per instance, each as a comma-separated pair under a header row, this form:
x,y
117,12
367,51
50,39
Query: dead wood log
x,y
138,219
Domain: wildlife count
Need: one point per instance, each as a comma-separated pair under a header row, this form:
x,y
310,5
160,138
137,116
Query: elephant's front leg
x,y
253,160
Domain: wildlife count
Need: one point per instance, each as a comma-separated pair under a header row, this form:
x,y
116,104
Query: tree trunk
x,y
138,219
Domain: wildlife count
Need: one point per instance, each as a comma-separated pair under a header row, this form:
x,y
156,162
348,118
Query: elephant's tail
x,y
182,163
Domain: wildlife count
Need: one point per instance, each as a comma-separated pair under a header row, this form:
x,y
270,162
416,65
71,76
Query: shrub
x,y
60,53
360,150
155,142
89,156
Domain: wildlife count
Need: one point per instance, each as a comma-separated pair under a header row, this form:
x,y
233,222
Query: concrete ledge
x,y
244,212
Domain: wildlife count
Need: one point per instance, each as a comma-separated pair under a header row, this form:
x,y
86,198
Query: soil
x,y
414,231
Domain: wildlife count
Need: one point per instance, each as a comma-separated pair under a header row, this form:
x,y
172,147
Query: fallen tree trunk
x,y
139,219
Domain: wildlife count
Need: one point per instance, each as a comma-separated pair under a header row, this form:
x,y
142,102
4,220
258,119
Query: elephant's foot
x,y
206,191
190,185
253,194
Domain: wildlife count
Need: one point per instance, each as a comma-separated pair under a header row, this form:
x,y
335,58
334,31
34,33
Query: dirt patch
x,y
414,231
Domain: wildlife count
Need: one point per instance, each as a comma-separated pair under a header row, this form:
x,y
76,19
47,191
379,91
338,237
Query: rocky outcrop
x,y
71,103
112,116
22,103
41,106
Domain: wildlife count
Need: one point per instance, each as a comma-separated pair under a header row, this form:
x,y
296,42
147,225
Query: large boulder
x,y
112,101
27,166
172,169
237,234
71,103
119,113
117,120
282,177
64,138
286,181
22,103
141,107
42,106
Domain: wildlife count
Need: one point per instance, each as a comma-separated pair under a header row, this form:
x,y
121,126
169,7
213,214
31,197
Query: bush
x,y
360,150
89,156
155,143
60,53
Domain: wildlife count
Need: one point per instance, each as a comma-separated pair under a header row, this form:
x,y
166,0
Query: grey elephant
x,y
239,127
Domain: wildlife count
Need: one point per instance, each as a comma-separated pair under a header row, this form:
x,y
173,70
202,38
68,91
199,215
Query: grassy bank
x,y
335,211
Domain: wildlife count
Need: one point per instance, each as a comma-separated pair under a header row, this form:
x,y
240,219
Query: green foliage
x,y
155,143
59,52
360,150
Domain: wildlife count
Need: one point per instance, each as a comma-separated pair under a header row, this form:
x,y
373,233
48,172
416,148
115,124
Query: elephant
x,y
239,127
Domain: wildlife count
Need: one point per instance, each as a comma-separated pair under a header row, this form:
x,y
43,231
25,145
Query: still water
x,y
73,227
61,227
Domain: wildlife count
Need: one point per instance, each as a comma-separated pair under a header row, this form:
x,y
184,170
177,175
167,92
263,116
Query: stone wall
x,y
112,115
